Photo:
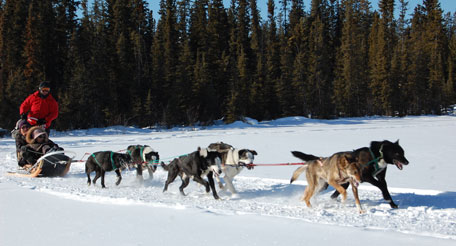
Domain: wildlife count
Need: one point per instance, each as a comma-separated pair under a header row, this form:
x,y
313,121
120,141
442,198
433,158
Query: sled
x,y
52,164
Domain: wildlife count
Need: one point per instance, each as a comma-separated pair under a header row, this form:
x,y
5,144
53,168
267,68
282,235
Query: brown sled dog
x,y
335,170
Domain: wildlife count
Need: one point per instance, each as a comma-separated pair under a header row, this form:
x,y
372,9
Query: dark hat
x,y
44,84
22,123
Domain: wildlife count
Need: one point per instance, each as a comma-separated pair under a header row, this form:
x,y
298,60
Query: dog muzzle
x,y
399,164
355,182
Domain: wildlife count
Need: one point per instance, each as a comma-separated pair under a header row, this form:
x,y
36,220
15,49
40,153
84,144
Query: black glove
x,y
41,122
23,116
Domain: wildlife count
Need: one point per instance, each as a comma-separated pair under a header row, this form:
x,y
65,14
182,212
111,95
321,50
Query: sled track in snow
x,y
421,212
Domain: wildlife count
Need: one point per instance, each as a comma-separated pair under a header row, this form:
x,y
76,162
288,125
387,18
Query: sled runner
x,y
52,164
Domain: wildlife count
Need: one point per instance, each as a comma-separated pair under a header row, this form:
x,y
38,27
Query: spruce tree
x,y
272,64
320,75
418,71
380,54
170,59
239,62
437,53
350,84
400,61
218,48
450,85
256,99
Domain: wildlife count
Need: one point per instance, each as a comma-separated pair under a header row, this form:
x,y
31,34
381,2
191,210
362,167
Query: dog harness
x,y
377,168
143,157
232,158
140,152
114,167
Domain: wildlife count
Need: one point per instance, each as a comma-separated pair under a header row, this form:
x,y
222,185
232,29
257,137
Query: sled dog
x,y
335,170
233,161
143,157
196,165
373,161
106,161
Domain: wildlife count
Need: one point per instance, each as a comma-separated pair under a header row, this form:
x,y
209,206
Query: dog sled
x,y
52,164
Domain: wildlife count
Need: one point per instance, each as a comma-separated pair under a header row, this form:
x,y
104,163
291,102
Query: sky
x,y
446,5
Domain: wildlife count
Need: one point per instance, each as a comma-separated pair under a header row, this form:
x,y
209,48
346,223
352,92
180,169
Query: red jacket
x,y
40,108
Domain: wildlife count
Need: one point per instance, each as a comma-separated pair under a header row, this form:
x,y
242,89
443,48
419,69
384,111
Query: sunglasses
x,y
45,89
25,127
41,136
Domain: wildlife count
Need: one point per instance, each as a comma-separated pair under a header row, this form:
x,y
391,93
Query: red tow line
x,y
279,164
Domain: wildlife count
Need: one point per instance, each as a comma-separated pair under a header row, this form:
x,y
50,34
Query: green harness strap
x,y
374,161
140,152
114,167
141,149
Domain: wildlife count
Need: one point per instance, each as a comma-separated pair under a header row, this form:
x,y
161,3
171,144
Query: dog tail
x,y
297,172
162,164
304,157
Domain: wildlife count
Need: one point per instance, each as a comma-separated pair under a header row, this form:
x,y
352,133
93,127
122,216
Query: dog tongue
x,y
398,164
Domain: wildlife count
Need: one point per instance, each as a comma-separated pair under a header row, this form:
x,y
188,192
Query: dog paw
x,y
235,196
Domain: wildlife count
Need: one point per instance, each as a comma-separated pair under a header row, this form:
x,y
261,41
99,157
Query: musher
x,y
40,108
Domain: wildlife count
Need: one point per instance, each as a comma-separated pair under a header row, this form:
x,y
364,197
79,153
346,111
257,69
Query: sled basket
x,y
52,164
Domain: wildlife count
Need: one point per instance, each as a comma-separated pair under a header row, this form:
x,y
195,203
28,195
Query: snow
x,y
268,210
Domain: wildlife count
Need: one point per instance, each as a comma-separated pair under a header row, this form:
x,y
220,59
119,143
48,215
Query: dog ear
x,y
344,162
202,152
253,152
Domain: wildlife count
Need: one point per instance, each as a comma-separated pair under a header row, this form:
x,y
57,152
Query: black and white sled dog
x,y
196,165
143,157
106,161
374,160
233,162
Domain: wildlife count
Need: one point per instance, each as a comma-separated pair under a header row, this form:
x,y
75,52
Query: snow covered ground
x,y
268,211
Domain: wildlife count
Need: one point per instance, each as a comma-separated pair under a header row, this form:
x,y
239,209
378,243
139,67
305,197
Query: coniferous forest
x,y
114,62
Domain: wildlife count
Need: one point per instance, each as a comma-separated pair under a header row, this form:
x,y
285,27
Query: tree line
x,y
116,62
